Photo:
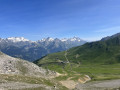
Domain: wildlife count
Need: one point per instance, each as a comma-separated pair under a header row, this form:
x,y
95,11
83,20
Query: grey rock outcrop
x,y
16,66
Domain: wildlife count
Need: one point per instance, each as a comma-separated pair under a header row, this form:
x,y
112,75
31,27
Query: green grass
x,y
31,80
95,71
100,72
39,88
26,79
101,52
100,60
51,58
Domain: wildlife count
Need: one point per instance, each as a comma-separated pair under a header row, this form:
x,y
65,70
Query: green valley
x,y
100,60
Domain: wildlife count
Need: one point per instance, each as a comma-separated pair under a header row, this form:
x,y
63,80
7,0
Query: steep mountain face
x,y
15,66
31,50
110,37
105,51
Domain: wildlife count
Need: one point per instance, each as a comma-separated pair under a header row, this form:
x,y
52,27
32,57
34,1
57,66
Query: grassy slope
x,y
96,52
95,71
98,59
32,80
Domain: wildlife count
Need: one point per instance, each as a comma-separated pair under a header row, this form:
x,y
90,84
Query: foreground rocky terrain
x,y
10,65
21,75
21,85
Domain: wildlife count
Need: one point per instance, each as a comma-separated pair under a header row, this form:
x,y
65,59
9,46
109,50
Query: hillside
x,y
15,66
105,51
18,74
98,60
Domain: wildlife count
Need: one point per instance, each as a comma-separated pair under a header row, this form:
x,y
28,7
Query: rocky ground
x,y
100,85
22,86
11,65
18,74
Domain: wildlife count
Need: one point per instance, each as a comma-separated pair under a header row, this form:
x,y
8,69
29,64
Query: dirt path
x,y
66,56
70,84
99,85
20,85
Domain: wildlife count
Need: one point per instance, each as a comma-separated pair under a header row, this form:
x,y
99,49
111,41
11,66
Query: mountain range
x,y
93,60
32,50
105,51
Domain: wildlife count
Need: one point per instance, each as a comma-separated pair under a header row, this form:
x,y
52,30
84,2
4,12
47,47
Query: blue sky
x,y
36,19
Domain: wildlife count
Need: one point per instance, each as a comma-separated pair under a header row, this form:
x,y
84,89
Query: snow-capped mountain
x,y
63,39
46,39
17,39
14,39
71,39
32,50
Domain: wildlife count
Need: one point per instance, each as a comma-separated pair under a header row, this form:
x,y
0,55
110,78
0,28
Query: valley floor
x,y
96,85
100,85
92,76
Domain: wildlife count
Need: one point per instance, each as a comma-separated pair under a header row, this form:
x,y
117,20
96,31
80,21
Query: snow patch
x,y
17,39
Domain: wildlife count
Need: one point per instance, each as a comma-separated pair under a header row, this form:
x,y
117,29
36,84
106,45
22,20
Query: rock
x,y
84,79
11,65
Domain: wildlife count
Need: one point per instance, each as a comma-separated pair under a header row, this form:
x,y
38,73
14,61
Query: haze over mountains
x,y
31,50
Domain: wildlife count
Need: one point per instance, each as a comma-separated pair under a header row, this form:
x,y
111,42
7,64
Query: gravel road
x,y
100,85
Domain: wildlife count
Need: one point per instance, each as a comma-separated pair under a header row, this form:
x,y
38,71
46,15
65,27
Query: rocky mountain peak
x,y
50,39
17,39
75,39
46,39
71,39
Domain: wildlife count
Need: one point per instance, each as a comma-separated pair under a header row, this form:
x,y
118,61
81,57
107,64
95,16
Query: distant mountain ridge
x,y
32,50
110,37
105,51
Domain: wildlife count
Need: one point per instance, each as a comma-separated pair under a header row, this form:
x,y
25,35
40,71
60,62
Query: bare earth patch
x,y
70,84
